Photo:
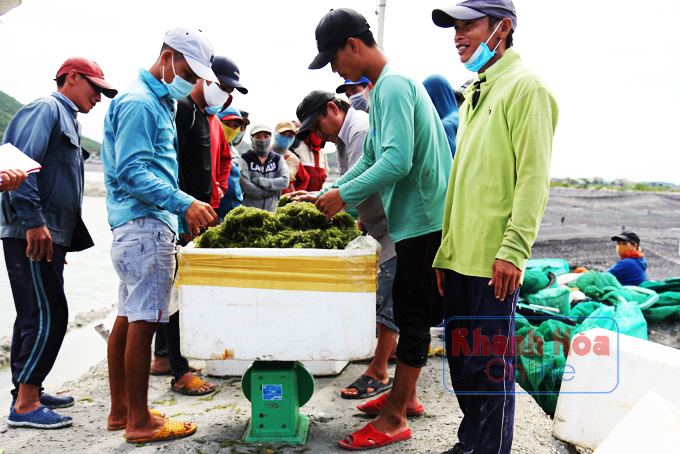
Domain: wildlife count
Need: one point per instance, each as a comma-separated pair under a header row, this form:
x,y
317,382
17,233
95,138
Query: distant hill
x,y
10,106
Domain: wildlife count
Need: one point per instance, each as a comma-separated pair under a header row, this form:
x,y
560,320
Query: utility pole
x,y
381,22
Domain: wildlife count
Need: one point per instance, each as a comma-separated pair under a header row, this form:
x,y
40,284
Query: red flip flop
x,y
375,406
368,438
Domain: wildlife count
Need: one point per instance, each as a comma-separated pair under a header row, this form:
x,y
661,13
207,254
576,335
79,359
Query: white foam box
x,y
277,304
651,427
603,389
229,368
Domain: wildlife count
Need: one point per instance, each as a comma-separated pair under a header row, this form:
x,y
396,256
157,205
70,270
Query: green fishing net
x,y
534,281
668,306
293,225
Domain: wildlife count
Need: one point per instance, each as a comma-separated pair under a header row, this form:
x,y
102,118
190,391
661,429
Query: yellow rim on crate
x,y
345,273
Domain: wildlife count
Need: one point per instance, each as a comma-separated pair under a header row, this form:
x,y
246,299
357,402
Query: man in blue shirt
x,y
41,222
632,268
144,203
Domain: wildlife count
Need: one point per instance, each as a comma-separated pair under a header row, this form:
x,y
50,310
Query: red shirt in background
x,y
221,160
314,161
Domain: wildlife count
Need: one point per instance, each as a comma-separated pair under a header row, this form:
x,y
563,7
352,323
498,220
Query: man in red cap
x,y
38,229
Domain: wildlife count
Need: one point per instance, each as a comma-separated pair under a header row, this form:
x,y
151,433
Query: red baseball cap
x,y
91,71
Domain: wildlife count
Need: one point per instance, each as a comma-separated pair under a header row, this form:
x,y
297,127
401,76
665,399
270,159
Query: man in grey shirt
x,y
264,173
333,119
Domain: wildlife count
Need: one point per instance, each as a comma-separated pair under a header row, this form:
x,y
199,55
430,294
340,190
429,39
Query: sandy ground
x,y
582,238
222,420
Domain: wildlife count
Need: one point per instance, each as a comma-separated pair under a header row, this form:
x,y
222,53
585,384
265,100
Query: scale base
x,y
300,437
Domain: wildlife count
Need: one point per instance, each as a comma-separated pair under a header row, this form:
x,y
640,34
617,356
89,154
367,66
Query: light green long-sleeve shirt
x,y
406,157
499,183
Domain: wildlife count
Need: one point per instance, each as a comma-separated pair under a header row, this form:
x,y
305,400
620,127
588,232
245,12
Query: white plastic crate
x,y
277,304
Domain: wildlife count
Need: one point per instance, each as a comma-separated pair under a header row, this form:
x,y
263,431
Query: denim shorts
x,y
383,294
143,254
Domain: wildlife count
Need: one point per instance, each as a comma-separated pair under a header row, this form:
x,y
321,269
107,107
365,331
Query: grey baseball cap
x,y
197,50
475,9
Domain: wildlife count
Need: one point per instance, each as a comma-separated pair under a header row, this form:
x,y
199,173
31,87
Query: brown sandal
x,y
191,388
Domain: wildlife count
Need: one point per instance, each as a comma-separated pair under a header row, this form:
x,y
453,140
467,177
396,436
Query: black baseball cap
x,y
627,236
227,71
308,110
245,115
333,31
475,9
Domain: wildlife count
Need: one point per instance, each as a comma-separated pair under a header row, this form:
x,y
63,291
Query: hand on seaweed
x,y
303,196
330,203
200,215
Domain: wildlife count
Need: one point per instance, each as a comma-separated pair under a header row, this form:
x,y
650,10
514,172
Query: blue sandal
x,y
41,418
53,402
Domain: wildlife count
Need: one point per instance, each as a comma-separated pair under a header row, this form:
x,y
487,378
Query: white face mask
x,y
359,102
214,96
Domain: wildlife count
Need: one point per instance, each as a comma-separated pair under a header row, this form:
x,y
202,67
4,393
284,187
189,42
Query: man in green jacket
x,y
406,157
497,193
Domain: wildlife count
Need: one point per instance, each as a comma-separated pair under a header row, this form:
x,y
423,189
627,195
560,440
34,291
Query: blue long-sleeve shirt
x,y
444,100
630,271
47,131
234,195
140,155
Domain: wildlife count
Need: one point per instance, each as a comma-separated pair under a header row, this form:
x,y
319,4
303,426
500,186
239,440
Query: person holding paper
x,y
41,222
11,179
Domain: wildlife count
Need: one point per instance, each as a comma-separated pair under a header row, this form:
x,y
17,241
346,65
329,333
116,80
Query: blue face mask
x,y
178,88
282,143
482,55
239,137
213,110
359,102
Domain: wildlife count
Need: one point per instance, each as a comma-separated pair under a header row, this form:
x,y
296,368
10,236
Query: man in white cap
x,y
264,173
144,203
497,192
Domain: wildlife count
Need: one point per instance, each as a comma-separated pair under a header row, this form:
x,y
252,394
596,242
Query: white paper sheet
x,y
12,158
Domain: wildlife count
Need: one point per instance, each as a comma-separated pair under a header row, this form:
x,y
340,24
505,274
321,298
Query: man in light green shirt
x,y
407,158
497,193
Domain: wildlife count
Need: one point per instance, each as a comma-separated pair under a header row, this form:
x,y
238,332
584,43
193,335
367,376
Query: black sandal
x,y
362,384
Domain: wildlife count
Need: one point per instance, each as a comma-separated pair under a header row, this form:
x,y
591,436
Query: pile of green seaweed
x,y
293,225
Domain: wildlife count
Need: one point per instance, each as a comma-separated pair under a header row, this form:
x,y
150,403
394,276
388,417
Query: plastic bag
x,y
552,297
365,243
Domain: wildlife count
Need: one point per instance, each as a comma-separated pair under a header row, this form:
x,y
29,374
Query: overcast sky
x,y
612,64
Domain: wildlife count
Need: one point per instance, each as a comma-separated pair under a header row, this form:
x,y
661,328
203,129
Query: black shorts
x,y
417,302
